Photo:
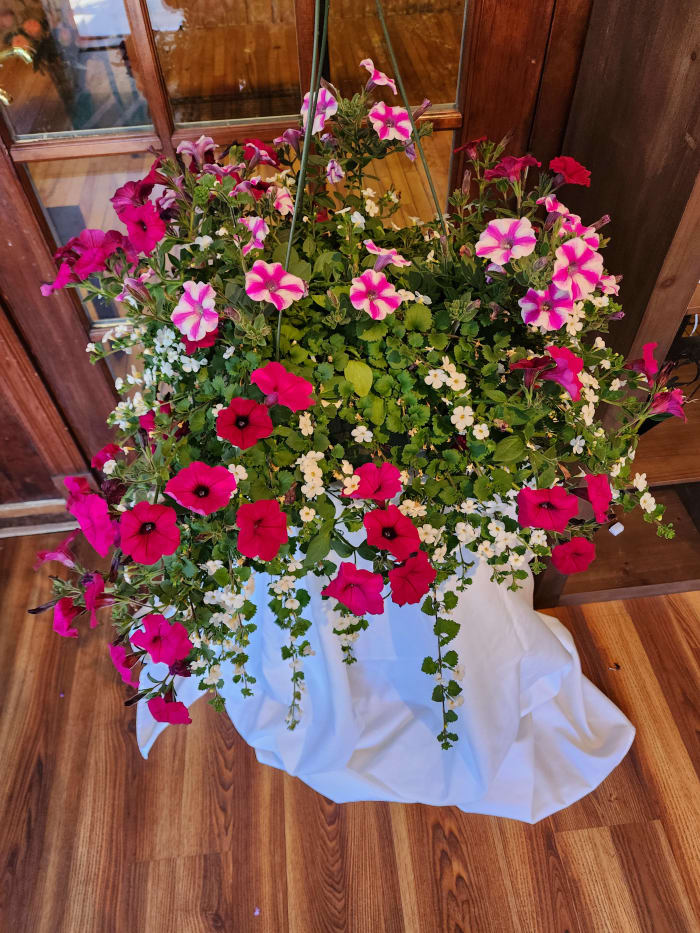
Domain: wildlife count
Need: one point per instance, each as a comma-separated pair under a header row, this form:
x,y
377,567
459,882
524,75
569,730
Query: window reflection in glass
x,y
80,78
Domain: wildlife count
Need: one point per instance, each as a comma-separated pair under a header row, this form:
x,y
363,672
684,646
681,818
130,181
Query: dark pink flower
x,y
263,529
669,403
132,194
548,309
472,147
92,514
392,531
282,387
599,494
573,556
377,482
505,239
84,255
60,553
243,422
568,365
164,642
511,167
166,709
647,365
125,664
550,509
65,275
144,226
201,488
411,580
201,153
533,368
572,171
64,612
148,532
108,452
95,598
359,590
193,346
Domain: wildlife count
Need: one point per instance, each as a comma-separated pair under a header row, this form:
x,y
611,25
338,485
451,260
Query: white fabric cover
x,y
535,735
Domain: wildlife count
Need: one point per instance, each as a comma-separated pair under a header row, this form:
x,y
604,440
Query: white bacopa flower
x,y
200,663
428,534
495,528
239,471
305,424
371,207
468,507
578,444
462,417
211,566
485,550
292,604
599,343
214,675
222,231
89,347
351,484
516,561
454,702
295,564
109,467
615,468
228,352
631,453
457,382
357,219
538,538
588,414
347,467
481,432
639,482
412,509
617,384
648,502
605,364
312,472
312,490
306,513
203,242
436,378
439,553
423,299
361,434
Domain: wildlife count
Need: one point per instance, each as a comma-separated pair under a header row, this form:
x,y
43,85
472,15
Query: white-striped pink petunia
x,y
258,230
267,281
573,226
548,309
194,315
577,268
326,106
390,122
386,256
373,292
505,239
377,78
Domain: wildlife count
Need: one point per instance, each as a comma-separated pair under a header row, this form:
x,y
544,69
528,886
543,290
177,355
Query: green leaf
x,y
359,375
318,547
509,449
375,411
371,331
418,317
482,488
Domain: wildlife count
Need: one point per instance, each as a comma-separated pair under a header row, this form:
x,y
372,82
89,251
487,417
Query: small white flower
x,y
228,352
312,490
239,471
222,231
454,702
481,431
428,534
462,417
468,507
109,466
203,242
214,675
617,384
305,424
647,502
89,347
361,434
436,378
371,207
495,528
599,343
466,533
485,550
412,509
357,219
295,564
211,566
516,561
351,484
578,444
306,513
439,553
457,382
347,467
538,538
639,482
588,414
605,364
292,604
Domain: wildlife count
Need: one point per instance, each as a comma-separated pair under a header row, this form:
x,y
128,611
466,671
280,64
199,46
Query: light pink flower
x,y
386,256
194,314
334,171
553,205
377,78
373,292
574,227
200,152
267,281
283,201
326,106
390,122
577,268
258,229
548,309
505,239
609,285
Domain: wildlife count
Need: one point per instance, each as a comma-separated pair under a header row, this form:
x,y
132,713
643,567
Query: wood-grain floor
x,y
202,838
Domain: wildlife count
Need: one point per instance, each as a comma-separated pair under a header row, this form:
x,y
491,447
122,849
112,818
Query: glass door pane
x,y
80,76
227,60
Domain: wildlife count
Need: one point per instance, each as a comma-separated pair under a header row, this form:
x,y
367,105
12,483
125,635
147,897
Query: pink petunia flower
x,y
533,368
95,598
390,122
61,553
609,285
165,643
258,230
125,664
92,514
263,529
549,309
647,365
149,532
282,387
65,275
144,226
391,530
267,281
291,137
282,200
334,171
194,314
377,78
359,590
64,612
326,106
377,482
108,452
256,152
573,556
166,709
668,403
132,194
84,255
550,509
566,371
194,346
572,172
505,239
201,153
373,292
243,422
511,167
572,225
201,488
599,495
411,580
386,256
577,268
553,205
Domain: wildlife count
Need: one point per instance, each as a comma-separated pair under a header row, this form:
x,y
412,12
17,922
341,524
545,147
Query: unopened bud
x,y
466,182
419,111
605,219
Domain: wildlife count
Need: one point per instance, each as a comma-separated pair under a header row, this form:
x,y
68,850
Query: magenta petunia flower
x,y
548,309
391,530
566,371
61,553
334,171
256,152
553,205
132,194
505,239
149,532
550,509
165,643
84,255
386,256
258,230
95,598
411,580
377,78
533,368
65,275
599,495
291,137
647,364
572,225
373,292
282,201
108,452
609,285
359,590
377,482
166,709
194,314
577,268
572,172
243,422
144,226
282,387
92,514
573,556
125,664
194,346
511,167
668,403
201,153
263,529
390,122
202,488
267,281
64,612
326,106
